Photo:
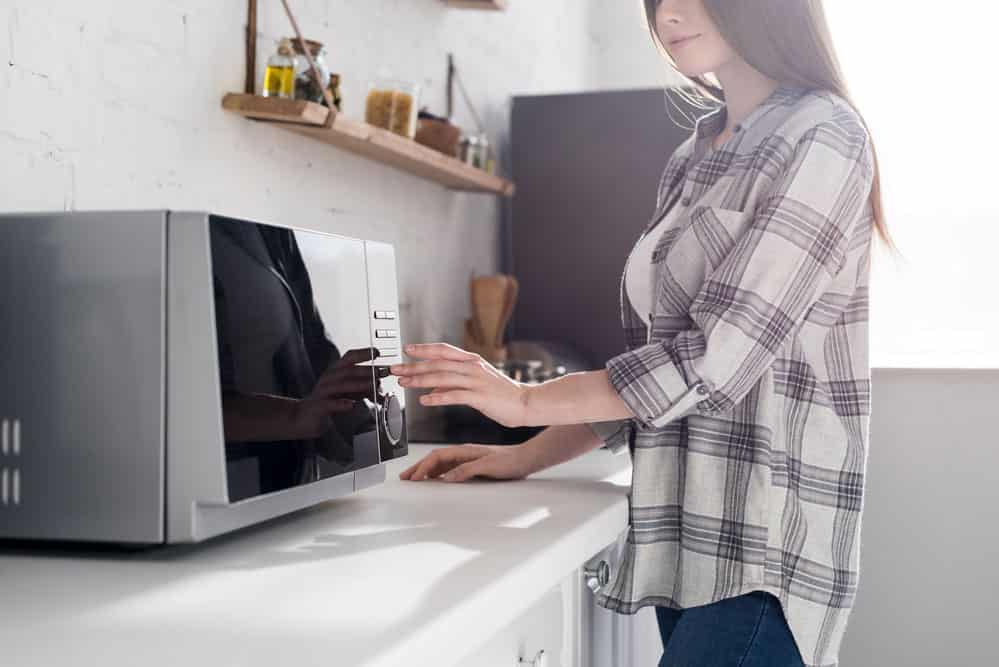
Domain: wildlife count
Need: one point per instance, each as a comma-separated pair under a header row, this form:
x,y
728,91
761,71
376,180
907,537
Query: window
x,y
923,76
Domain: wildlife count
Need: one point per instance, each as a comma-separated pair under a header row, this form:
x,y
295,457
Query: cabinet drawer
x,y
550,624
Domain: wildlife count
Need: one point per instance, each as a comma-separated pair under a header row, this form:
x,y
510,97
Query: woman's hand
x,y
461,462
458,377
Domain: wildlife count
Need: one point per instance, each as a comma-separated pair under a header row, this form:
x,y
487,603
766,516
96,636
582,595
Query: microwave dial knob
x,y
392,419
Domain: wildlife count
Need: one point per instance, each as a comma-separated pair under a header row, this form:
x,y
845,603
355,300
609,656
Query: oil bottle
x,y
279,77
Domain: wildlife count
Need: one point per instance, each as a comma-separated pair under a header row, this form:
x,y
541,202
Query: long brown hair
x,y
788,41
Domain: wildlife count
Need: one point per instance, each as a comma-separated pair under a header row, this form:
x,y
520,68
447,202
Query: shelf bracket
x,y
250,85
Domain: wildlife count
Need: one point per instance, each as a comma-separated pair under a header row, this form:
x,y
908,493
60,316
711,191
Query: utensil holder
x,y
490,354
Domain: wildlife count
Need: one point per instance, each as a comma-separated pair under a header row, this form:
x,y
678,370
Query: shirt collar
x,y
713,122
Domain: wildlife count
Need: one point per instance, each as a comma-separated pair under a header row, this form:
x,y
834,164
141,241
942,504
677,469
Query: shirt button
x,y
737,128
685,201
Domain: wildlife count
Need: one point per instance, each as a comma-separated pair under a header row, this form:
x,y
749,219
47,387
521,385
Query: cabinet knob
x,y
597,576
540,660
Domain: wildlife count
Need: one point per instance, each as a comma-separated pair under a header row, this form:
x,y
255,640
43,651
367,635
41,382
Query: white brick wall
x,y
116,104
621,53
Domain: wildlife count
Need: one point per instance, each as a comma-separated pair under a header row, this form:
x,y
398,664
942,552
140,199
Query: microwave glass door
x,y
291,312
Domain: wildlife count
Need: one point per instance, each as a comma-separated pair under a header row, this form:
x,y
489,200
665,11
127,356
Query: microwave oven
x,y
166,377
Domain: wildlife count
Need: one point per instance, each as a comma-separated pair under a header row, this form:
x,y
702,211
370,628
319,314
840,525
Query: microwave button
x,y
385,333
384,315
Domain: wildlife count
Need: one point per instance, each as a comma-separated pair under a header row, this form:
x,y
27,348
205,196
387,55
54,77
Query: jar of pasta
x,y
392,105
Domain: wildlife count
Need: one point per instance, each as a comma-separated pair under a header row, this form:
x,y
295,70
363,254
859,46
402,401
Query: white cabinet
x,y
572,630
551,624
610,638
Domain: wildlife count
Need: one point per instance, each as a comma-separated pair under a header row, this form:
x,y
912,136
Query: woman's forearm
x,y
558,444
576,398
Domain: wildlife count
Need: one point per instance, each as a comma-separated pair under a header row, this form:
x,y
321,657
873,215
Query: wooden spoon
x,y
473,324
489,301
513,286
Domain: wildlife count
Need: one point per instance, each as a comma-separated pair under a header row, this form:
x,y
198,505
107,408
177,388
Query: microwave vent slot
x,y
10,476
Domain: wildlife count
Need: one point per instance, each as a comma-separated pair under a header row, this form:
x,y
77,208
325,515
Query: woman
x,y
743,395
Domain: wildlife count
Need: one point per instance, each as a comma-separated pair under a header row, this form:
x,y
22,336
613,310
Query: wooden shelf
x,y
308,118
495,5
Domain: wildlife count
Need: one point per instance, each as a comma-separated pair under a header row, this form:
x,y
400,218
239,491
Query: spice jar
x,y
392,105
305,84
475,150
279,76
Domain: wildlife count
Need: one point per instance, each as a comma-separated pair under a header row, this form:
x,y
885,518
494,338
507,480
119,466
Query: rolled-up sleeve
x,y
758,295
615,433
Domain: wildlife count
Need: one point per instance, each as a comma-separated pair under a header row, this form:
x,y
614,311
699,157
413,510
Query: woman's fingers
x,y
434,464
467,471
436,366
429,466
451,380
500,463
457,464
418,466
452,397
440,373
439,351
438,461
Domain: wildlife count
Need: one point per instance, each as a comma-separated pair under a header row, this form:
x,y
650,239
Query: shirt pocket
x,y
688,252
716,230
677,270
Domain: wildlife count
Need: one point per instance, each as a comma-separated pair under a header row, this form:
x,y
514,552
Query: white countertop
x,y
397,574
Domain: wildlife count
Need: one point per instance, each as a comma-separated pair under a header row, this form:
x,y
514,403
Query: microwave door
x,y
291,320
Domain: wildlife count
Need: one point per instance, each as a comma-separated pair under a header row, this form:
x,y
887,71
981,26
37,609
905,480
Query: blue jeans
x,y
743,631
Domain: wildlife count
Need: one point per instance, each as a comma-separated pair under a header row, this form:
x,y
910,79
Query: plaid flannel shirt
x,y
751,387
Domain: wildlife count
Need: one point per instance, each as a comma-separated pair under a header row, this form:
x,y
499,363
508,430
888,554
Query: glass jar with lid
x,y
392,104
305,84
475,151
279,76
